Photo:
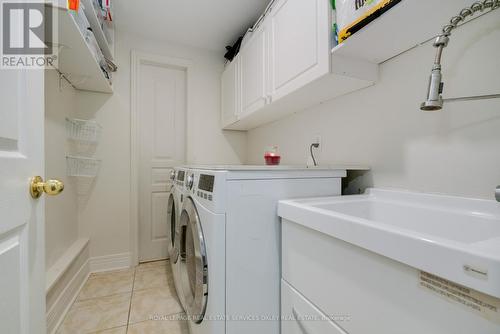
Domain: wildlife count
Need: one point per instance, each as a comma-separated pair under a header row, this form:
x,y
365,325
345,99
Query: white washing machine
x,y
176,198
229,238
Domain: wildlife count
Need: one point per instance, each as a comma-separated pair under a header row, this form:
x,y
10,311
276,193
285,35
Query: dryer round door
x,y
194,266
173,252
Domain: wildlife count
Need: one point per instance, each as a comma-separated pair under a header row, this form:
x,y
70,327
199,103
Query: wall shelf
x,y
75,58
99,34
406,25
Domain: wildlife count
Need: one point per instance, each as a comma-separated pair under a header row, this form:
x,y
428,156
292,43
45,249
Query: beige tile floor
x,y
127,301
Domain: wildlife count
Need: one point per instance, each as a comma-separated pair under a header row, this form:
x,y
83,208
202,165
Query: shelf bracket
x,y
62,77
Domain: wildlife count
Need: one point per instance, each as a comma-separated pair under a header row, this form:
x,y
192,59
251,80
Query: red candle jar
x,y
272,156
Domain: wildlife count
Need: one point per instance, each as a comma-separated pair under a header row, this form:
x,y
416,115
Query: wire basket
x,y
83,130
84,185
82,167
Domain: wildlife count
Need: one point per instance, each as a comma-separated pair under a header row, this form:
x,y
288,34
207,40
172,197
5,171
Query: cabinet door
x,y
300,47
230,89
253,62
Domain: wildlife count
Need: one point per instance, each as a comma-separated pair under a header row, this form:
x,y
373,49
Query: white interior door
x,y
22,253
162,117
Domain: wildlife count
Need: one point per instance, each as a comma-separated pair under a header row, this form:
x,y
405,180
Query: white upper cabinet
x,y
300,44
253,65
289,65
230,92
286,66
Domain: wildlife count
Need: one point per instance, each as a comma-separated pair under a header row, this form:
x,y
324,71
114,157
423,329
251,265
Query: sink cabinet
x,y
364,292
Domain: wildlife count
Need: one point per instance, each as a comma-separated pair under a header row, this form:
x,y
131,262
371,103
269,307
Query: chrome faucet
x,y
434,101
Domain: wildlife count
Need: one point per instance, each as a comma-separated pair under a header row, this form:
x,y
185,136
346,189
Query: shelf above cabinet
x,y
75,59
406,25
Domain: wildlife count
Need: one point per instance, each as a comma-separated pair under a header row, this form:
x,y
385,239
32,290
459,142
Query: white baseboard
x,y
65,289
110,262
72,272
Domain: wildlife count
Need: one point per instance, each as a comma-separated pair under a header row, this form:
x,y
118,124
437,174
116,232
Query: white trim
x,y
110,262
70,288
138,58
58,269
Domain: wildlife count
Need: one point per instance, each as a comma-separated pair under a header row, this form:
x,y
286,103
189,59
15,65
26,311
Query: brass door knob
x,y
51,187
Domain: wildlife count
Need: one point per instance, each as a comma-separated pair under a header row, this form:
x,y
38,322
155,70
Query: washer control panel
x,y
206,183
209,189
179,180
205,187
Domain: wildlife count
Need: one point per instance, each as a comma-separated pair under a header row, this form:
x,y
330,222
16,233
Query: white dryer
x,y
229,238
175,201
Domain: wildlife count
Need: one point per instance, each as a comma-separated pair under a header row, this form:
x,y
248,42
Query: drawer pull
x,y
301,323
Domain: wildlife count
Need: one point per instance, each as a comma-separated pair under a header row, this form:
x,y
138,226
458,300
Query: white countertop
x,y
357,167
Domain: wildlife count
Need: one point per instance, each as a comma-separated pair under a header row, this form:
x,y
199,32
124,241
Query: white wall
x,y
456,151
61,226
104,214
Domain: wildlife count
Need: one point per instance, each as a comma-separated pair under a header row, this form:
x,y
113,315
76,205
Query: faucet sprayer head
x,y
434,101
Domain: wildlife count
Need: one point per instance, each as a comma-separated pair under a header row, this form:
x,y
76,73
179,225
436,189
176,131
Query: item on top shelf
x,y
106,5
73,4
96,51
232,51
272,156
107,73
353,15
334,33
111,66
103,18
80,19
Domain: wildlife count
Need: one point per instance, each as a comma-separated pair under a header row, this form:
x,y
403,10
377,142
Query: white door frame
x,y
137,59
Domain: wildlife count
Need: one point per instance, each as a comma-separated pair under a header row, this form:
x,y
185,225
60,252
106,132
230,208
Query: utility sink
x,y
451,237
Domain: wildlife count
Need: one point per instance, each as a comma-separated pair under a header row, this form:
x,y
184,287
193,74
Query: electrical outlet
x,y
317,140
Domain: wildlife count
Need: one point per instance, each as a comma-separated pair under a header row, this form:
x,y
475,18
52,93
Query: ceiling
x,y
204,24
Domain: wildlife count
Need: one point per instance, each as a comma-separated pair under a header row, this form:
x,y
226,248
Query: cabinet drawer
x,y
299,316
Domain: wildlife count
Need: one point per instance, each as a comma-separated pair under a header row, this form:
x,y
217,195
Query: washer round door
x,y
194,266
172,249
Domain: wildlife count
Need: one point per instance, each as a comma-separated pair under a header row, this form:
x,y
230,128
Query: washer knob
x,y
190,181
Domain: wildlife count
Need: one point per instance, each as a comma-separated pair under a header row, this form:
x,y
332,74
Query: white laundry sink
x,y
454,238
